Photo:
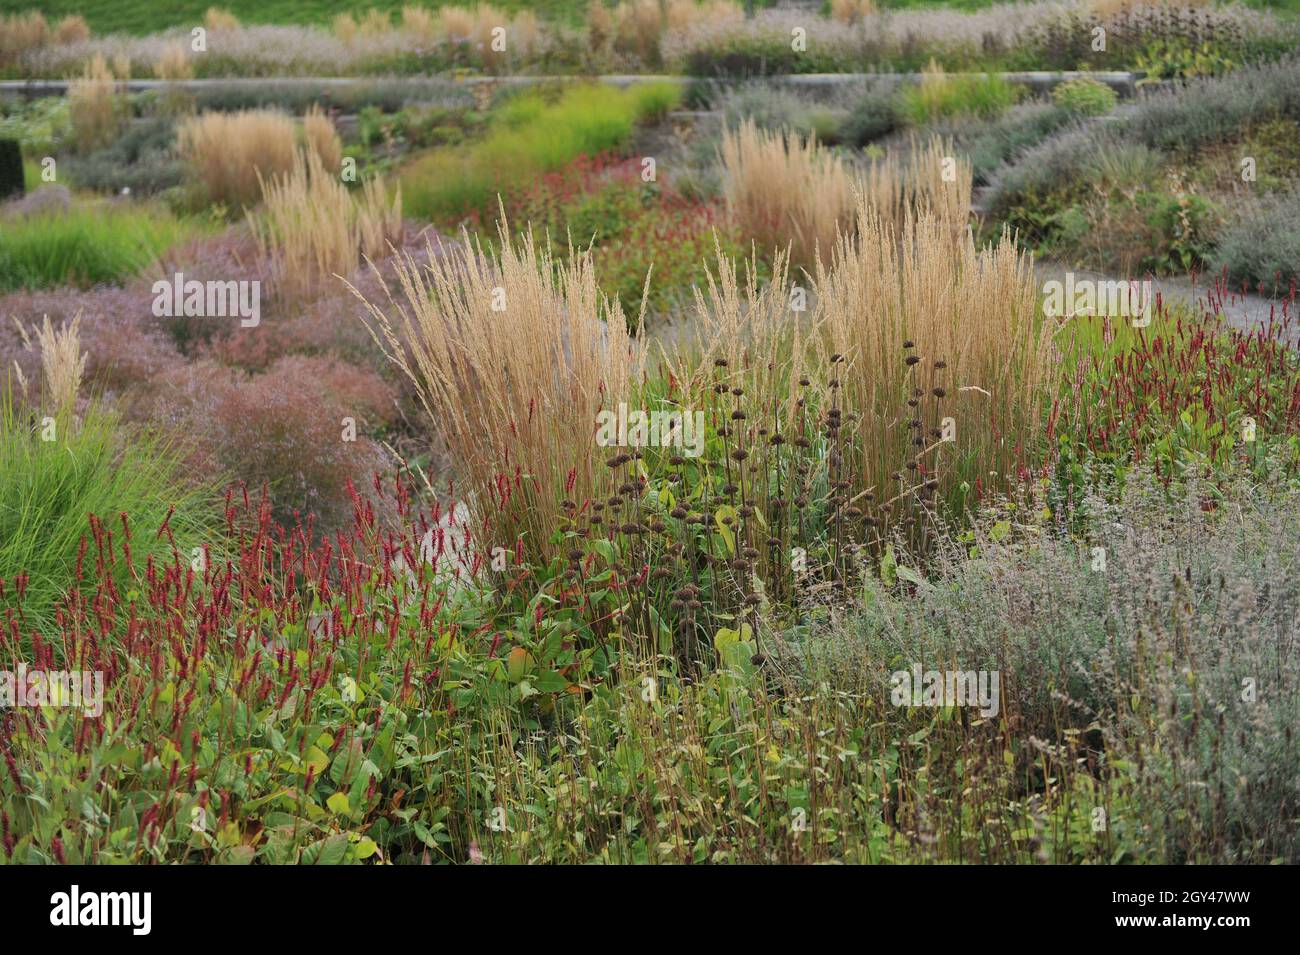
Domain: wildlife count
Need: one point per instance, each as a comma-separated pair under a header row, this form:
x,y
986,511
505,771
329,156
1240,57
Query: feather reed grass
x,y
94,109
513,353
946,330
784,190
234,153
310,228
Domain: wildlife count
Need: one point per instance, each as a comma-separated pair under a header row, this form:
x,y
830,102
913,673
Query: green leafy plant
x,y
1175,58
1084,96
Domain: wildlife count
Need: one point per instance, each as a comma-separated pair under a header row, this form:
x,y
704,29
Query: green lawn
x,y
149,16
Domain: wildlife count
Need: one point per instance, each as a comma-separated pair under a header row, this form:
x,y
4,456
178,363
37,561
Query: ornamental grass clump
x,y
310,228
512,352
950,331
786,191
232,152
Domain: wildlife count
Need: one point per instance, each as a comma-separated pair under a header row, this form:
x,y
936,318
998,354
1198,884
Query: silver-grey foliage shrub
x,y
1174,659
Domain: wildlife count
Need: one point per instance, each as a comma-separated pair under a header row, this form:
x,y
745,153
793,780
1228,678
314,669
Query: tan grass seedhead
x,y
456,24
852,11
218,19
600,24
92,105
174,64
62,362
513,354
345,27
73,29
525,33
783,191
421,23
638,29
970,317
21,33
231,152
375,23
310,229
322,138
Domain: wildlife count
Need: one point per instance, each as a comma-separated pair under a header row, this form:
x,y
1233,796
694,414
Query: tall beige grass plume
x,y
783,190
230,153
513,353
851,12
310,229
219,19
72,29
92,105
321,137
63,364
971,318
174,64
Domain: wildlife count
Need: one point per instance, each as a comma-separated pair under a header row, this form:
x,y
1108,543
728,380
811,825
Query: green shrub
x,y
12,176
1216,110
91,245
388,95
743,57
92,469
1126,656
142,160
769,106
41,126
873,118
1084,96
1173,121
1175,58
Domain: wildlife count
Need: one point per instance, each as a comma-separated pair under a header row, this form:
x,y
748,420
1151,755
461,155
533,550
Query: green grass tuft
x,y
49,490
530,137
944,97
89,245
